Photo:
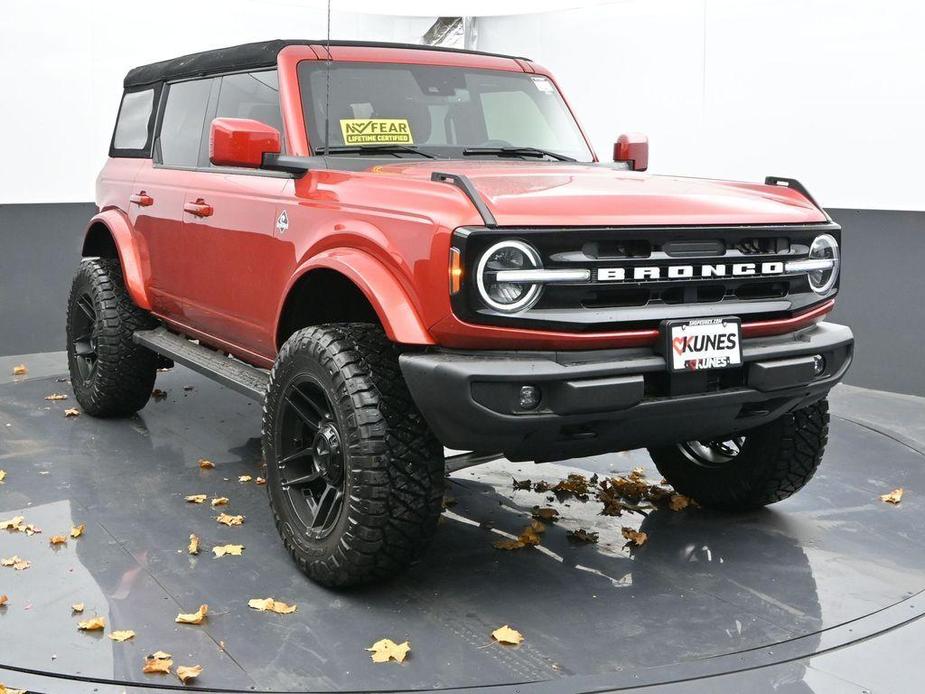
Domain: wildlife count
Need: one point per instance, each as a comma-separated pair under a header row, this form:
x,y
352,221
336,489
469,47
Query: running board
x,y
247,380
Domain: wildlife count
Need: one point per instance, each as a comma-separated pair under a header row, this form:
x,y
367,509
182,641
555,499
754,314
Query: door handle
x,y
200,208
141,199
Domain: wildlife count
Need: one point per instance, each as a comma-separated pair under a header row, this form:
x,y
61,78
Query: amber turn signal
x,y
455,270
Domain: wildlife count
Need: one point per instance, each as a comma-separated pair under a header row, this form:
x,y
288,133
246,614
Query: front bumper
x,y
608,400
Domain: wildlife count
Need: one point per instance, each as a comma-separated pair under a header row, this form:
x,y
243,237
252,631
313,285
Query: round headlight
x,y
824,247
508,297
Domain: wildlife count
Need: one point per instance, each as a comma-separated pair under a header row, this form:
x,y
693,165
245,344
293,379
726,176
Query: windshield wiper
x,y
373,149
515,152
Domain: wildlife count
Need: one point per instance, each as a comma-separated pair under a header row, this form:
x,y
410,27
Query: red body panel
x,y
207,256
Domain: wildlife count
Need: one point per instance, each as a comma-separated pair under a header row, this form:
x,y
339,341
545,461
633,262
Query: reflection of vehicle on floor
x,y
693,550
423,249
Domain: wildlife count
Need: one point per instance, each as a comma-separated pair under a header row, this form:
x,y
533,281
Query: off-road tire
x,y
393,466
776,461
124,375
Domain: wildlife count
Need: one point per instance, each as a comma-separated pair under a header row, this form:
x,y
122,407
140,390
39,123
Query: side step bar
x,y
247,380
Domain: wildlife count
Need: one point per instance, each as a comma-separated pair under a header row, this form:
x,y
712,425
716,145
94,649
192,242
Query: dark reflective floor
x,y
705,585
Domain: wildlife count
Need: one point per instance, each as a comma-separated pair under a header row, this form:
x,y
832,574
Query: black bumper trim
x,y
608,400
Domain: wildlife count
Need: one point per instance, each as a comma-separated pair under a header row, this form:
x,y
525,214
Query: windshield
x,y
445,112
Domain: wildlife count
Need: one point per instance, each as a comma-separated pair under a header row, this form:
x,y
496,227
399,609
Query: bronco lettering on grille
x,y
644,273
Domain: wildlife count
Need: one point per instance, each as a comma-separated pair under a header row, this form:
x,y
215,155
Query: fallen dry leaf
x,y
158,394
894,497
506,635
244,478
188,672
71,412
95,624
636,538
14,523
4,599
206,464
7,690
2,476
193,544
56,396
226,519
271,605
530,535
123,635
678,502
233,550
57,540
159,663
77,607
508,544
386,649
574,485
549,515
219,501
521,485
78,530
20,370
17,563
260,481
196,498
193,617
30,529
582,535
637,473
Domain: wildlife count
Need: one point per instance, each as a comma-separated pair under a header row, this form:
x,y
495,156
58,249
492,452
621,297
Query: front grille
x,y
643,300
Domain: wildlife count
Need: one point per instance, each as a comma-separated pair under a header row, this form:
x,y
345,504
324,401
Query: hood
x,y
558,194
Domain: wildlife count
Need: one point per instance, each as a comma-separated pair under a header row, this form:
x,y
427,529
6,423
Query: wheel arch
x,y
365,291
109,235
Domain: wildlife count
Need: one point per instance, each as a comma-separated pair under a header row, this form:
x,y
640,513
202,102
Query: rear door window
x,y
180,137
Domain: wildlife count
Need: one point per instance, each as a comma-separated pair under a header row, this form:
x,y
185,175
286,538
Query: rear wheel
x,y
354,475
110,374
756,468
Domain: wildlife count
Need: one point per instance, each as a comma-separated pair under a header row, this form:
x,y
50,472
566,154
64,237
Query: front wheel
x,y
354,475
759,467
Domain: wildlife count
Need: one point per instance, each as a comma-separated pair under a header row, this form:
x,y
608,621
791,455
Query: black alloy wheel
x,y
85,339
311,457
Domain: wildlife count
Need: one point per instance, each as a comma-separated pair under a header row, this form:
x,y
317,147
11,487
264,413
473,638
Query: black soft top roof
x,y
248,56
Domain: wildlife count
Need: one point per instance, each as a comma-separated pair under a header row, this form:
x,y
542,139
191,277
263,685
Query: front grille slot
x,y
773,245
616,298
694,249
762,290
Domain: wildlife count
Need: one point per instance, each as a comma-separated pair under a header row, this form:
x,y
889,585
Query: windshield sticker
x,y
376,131
543,84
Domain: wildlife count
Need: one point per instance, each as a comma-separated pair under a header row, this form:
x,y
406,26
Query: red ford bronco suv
x,y
400,249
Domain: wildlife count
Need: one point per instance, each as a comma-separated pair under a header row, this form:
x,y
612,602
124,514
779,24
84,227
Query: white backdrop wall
x,y
62,64
827,91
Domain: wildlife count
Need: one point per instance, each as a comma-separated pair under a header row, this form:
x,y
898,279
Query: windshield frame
x,y
307,108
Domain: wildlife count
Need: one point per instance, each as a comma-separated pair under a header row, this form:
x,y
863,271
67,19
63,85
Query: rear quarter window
x,y
132,136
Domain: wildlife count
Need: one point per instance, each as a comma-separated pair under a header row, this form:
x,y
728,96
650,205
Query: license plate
x,y
696,345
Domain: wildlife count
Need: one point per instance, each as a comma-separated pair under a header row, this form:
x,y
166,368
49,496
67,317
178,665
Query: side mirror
x,y
634,149
241,142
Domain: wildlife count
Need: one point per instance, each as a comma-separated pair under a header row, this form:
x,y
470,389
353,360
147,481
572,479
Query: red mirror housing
x,y
241,142
634,149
